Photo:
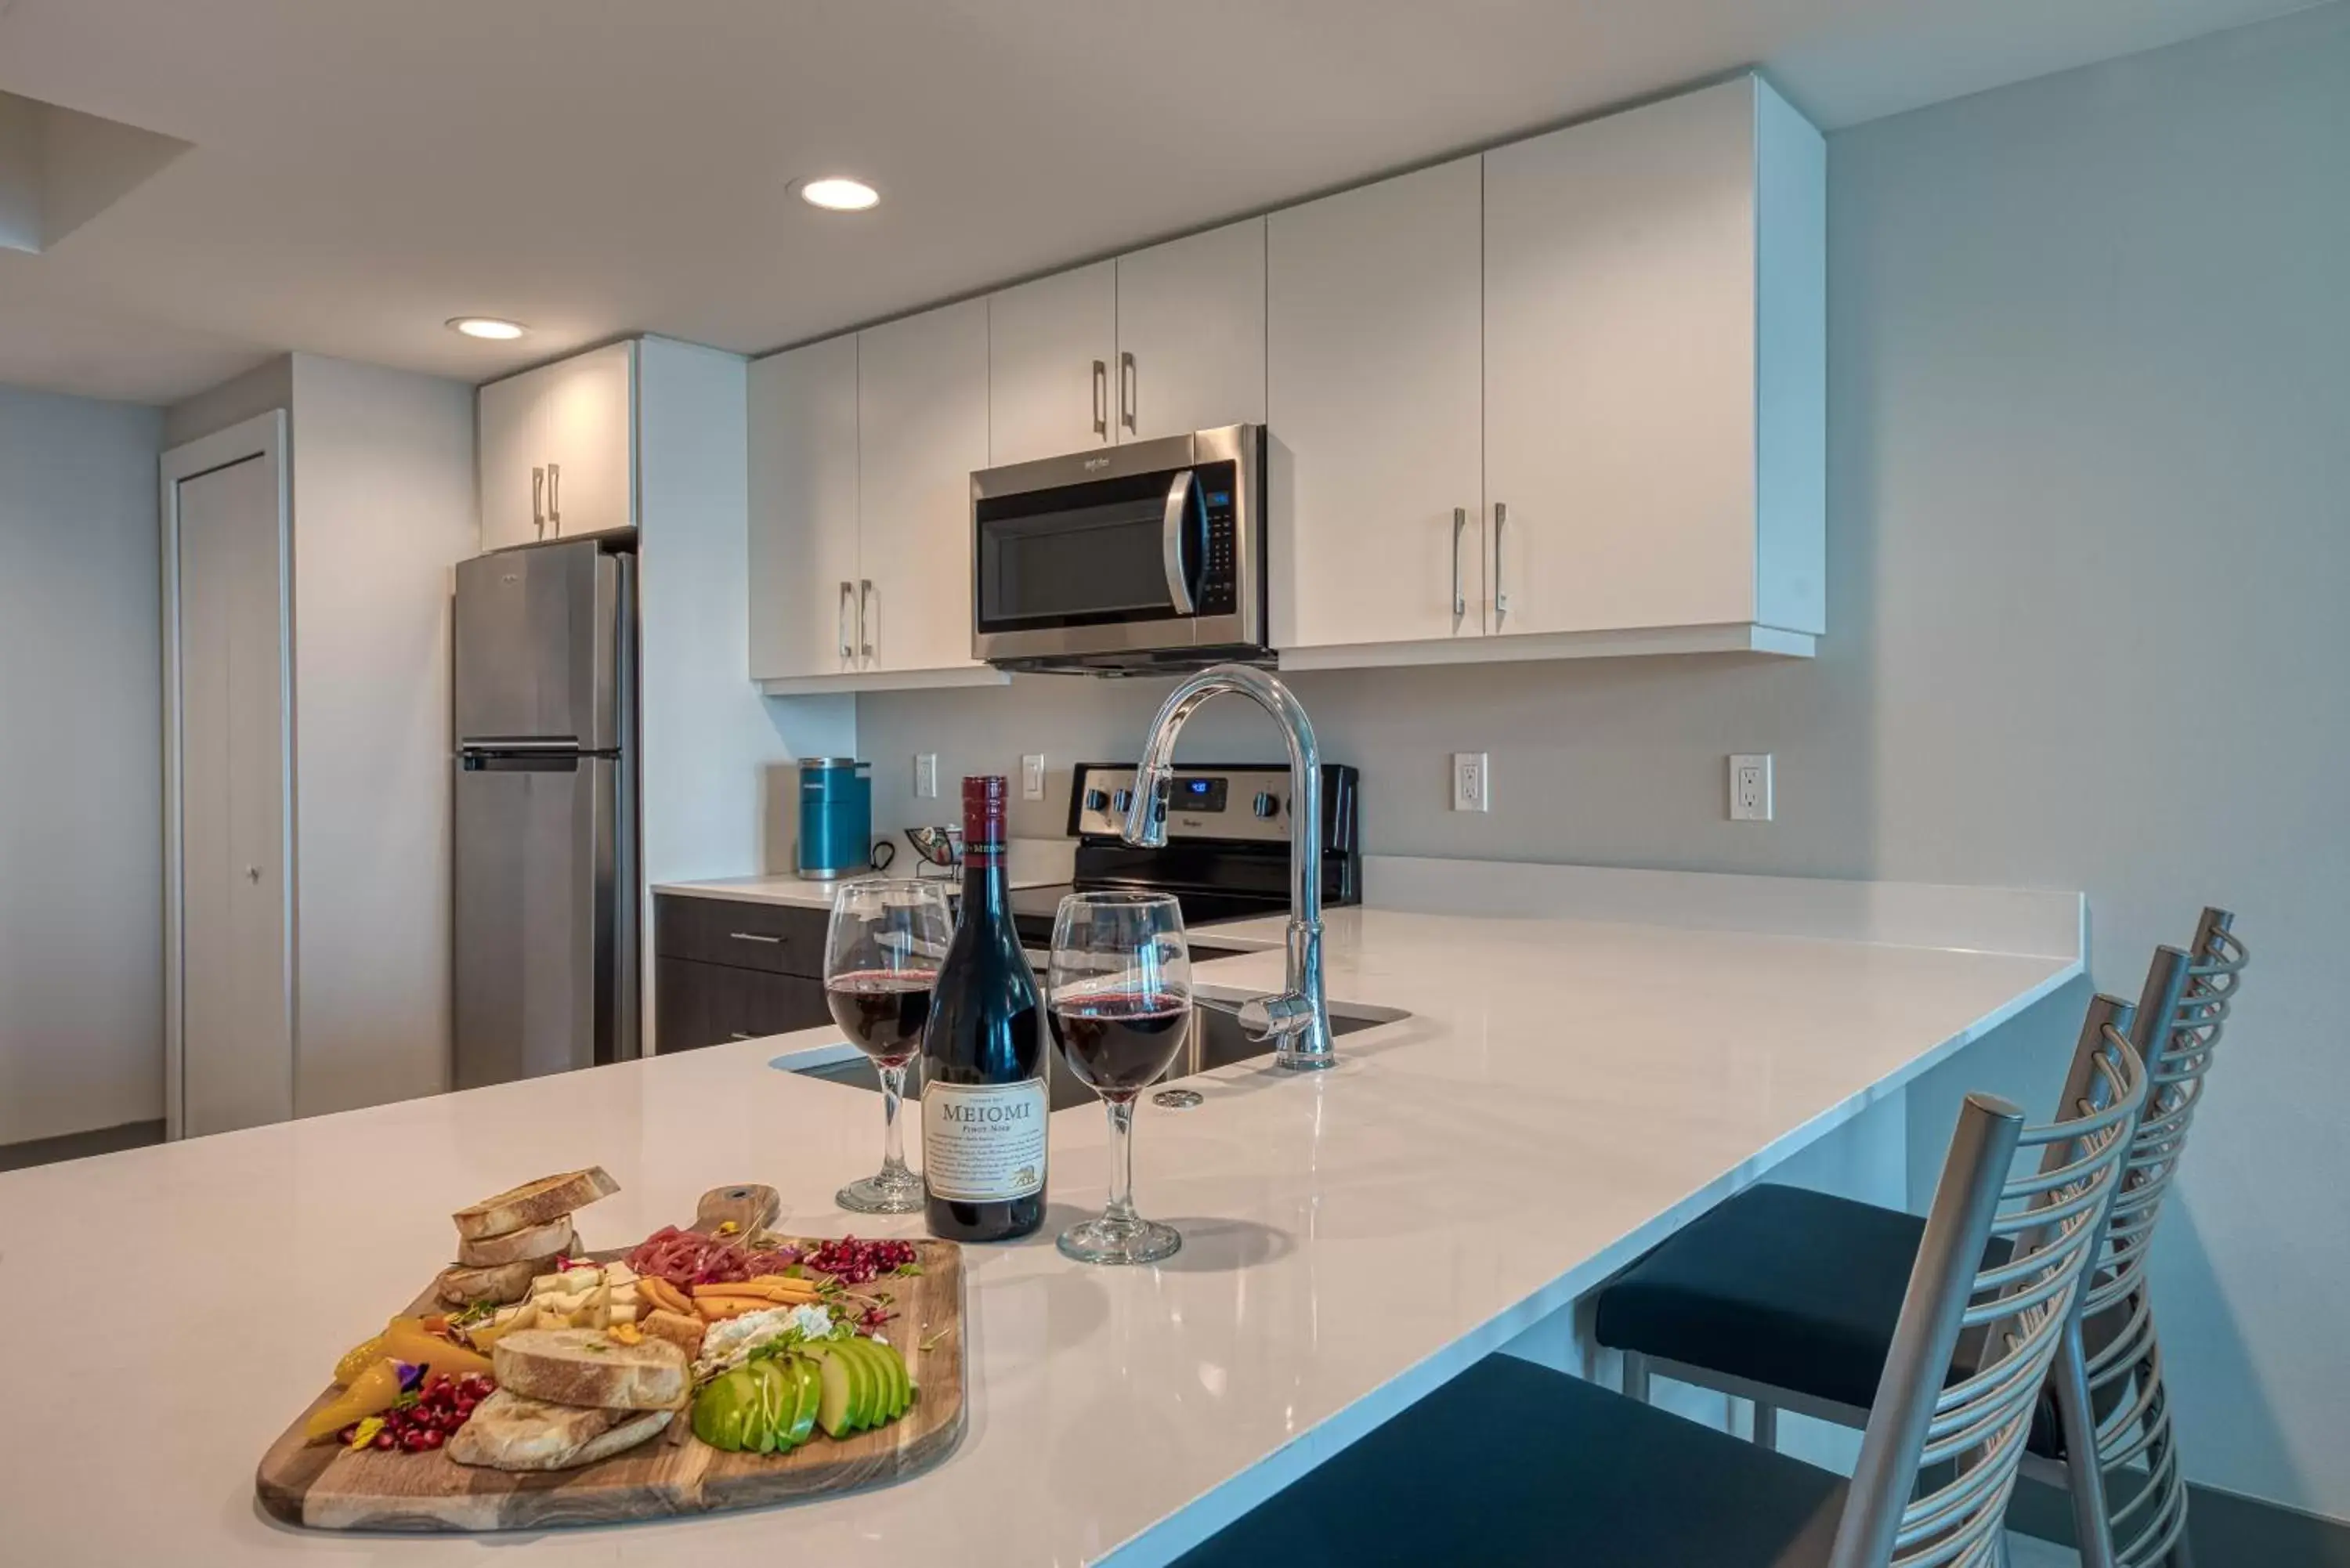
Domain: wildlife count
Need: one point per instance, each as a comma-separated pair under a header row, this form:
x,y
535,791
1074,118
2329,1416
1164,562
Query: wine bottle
x,y
984,1097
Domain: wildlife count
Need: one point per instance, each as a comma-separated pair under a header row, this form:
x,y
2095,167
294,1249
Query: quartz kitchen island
x,y
1585,1066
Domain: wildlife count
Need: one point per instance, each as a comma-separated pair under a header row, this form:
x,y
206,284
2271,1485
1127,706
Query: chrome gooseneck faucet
x,y
1300,1017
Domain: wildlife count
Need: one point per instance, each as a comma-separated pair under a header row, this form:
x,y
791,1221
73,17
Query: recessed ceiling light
x,y
838,193
486,327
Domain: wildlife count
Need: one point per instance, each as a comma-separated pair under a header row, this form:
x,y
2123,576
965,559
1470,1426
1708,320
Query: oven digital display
x,y
1199,794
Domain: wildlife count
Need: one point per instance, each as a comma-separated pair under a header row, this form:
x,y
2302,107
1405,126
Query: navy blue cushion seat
x,y
1513,1464
1786,1287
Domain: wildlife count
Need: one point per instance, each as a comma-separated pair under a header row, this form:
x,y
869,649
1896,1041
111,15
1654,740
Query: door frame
x,y
263,436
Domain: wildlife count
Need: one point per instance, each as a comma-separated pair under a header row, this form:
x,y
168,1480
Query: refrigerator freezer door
x,y
546,916
539,646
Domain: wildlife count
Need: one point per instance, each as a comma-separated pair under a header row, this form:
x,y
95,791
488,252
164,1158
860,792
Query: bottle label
x,y
984,1143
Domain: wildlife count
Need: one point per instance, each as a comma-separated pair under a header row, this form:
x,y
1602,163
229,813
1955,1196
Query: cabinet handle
x,y
863,620
756,937
1460,601
1101,399
1500,594
538,500
555,497
848,598
1129,390
739,1035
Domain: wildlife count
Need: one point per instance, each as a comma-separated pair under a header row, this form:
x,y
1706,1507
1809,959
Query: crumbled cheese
x,y
813,1321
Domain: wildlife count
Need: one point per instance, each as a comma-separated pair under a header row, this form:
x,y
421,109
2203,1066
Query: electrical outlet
x,y
1471,782
1749,788
926,776
1032,776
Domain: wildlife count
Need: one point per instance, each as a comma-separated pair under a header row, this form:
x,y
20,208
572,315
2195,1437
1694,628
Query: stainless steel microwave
x,y
1141,557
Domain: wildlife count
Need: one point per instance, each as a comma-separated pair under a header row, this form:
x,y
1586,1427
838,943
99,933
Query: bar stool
x,y
1788,1298
1512,1463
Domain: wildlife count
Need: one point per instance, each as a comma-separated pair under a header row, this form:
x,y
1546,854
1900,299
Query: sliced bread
x,y
461,1285
587,1367
509,1432
533,1203
552,1239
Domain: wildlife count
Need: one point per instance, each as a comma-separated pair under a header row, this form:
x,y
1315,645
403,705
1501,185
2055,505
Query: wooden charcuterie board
x,y
328,1486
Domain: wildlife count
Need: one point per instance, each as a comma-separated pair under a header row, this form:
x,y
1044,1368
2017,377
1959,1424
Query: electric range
x,y
1227,852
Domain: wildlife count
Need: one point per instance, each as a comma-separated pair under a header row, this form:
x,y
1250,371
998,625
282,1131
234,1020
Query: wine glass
x,y
1121,1002
881,953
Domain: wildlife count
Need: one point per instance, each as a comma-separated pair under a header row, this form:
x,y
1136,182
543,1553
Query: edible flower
x,y
411,1373
364,1432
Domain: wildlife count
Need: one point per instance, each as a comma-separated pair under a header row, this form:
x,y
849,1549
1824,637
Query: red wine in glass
x,y
1118,1043
882,1011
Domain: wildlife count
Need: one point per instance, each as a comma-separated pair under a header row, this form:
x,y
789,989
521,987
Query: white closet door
x,y
237,1055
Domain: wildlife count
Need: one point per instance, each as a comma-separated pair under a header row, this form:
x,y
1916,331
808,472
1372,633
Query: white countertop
x,y
1564,1092
1032,862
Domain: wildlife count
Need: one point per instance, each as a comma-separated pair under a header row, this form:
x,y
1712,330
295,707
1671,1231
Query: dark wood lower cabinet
x,y
725,970
697,1004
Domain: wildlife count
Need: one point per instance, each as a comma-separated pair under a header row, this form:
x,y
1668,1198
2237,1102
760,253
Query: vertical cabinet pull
x,y
555,497
538,500
865,615
1101,399
847,639
1501,593
1459,601
1128,391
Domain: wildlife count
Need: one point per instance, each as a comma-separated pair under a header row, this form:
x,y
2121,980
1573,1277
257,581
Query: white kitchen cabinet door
x,y
1620,384
1052,348
510,453
591,442
1190,335
922,427
1375,332
803,566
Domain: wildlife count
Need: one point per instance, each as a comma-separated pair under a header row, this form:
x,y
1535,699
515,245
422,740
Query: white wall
x,y
2089,551
383,508
719,792
81,979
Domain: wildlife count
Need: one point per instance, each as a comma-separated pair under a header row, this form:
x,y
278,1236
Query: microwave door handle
x,y
1171,544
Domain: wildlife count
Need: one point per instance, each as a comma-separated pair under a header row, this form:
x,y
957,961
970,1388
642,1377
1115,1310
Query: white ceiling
x,y
364,169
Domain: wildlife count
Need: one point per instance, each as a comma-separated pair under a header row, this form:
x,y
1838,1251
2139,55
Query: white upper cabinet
x,y
1190,335
556,449
922,421
591,442
1654,402
1375,328
803,526
1051,349
510,451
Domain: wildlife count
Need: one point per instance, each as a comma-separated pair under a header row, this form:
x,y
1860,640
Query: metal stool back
x,y
2180,1017
2047,1192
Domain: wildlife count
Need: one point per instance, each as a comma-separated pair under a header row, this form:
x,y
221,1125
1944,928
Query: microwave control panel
x,y
1218,594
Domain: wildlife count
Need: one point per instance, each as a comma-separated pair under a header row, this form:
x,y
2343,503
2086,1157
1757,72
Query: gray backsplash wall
x,y
2089,560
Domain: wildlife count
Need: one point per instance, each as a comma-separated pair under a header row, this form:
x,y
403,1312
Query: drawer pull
x,y
756,937
738,1034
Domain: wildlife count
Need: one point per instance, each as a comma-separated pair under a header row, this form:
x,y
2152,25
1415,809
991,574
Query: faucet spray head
x,y
1146,814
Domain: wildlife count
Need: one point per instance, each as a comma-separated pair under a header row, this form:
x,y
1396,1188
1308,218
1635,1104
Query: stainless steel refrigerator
x,y
546,880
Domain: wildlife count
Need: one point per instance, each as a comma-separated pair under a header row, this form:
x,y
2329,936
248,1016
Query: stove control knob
x,y
1268,804
1096,800
1122,800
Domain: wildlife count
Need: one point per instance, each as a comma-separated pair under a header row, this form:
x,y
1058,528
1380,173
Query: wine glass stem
x,y
1121,1160
893,1142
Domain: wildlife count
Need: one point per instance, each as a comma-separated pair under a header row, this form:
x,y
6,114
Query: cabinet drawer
x,y
701,1004
778,938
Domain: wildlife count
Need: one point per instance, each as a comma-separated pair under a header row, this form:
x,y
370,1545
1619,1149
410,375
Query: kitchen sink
x,y
1215,1040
